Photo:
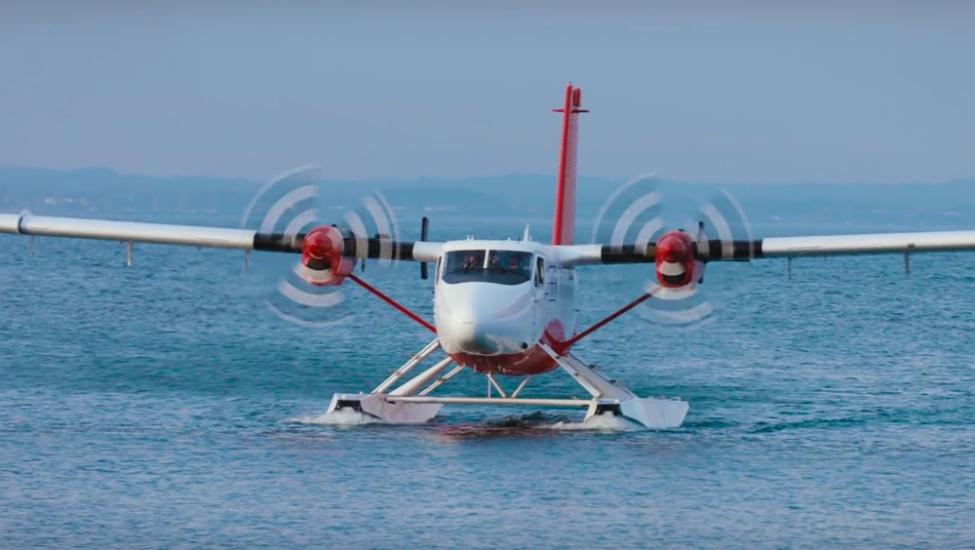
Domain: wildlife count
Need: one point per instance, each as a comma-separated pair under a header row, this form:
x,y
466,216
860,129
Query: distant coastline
x,y
776,208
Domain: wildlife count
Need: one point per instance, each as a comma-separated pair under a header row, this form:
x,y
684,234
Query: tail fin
x,y
563,228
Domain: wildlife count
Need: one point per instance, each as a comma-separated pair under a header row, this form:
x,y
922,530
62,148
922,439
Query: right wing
x,y
869,243
779,247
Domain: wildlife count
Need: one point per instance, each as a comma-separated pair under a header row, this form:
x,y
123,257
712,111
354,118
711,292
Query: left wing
x,y
201,236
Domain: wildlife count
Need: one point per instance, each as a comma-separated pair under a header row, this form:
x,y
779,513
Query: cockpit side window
x,y
539,271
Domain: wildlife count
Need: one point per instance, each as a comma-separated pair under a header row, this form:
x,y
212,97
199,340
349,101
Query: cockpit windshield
x,y
506,267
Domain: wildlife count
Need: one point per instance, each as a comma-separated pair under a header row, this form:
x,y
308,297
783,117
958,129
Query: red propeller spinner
x,y
675,262
322,256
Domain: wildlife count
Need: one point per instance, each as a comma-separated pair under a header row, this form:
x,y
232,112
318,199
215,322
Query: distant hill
x,y
774,208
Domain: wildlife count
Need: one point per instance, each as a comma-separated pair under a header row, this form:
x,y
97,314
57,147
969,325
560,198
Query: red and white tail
x,y
564,225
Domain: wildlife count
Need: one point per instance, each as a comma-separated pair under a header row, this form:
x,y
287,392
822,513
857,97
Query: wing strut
x,y
377,293
610,318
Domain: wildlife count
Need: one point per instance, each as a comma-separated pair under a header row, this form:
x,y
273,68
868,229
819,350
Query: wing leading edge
x,y
187,235
780,247
568,255
201,236
870,243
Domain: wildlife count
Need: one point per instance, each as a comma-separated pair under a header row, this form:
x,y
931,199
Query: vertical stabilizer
x,y
563,228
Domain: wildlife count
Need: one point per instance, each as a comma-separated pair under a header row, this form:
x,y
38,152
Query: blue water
x,y
164,405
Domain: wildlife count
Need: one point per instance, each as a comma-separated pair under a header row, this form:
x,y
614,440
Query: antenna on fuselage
x,y
527,235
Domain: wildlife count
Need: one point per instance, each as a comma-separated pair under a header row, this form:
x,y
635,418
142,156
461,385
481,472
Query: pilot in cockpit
x,y
470,263
514,263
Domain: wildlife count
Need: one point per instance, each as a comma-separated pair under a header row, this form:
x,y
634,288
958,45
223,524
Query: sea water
x,y
164,405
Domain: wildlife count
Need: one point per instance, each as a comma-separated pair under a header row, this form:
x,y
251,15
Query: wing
x,y
779,247
870,243
201,236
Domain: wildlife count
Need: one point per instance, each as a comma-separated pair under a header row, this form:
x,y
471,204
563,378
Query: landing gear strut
x,y
410,402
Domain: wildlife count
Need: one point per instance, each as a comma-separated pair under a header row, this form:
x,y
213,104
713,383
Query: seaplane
x,y
504,309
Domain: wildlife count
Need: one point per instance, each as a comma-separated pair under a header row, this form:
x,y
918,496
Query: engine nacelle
x,y
323,262
676,263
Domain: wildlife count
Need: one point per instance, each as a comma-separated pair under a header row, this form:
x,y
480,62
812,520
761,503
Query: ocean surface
x,y
166,406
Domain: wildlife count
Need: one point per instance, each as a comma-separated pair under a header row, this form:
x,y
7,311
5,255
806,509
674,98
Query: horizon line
x,y
422,178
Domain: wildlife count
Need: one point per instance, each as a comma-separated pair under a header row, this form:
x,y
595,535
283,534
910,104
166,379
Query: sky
x,y
707,91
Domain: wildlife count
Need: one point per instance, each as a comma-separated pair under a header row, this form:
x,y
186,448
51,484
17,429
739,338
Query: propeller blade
x,y
424,233
724,231
285,210
636,218
631,217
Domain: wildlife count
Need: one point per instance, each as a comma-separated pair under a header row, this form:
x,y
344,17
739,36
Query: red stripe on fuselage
x,y
532,361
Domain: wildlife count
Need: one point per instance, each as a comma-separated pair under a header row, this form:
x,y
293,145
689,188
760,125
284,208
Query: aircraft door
x,y
538,293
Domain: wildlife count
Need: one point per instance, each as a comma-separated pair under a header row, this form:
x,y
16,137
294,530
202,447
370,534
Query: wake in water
x,y
540,420
602,422
508,424
345,416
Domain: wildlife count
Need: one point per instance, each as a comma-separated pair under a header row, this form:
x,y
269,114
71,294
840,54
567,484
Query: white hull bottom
x,y
653,413
380,406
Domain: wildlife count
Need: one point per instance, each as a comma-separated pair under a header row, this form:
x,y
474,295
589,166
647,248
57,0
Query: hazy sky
x,y
760,91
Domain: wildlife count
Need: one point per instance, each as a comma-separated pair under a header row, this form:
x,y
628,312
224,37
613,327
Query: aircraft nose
x,y
477,338
483,328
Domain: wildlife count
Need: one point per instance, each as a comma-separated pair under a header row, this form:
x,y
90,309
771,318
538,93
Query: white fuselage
x,y
489,303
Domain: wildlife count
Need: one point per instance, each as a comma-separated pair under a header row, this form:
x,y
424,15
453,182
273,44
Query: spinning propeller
x,y
297,212
634,221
